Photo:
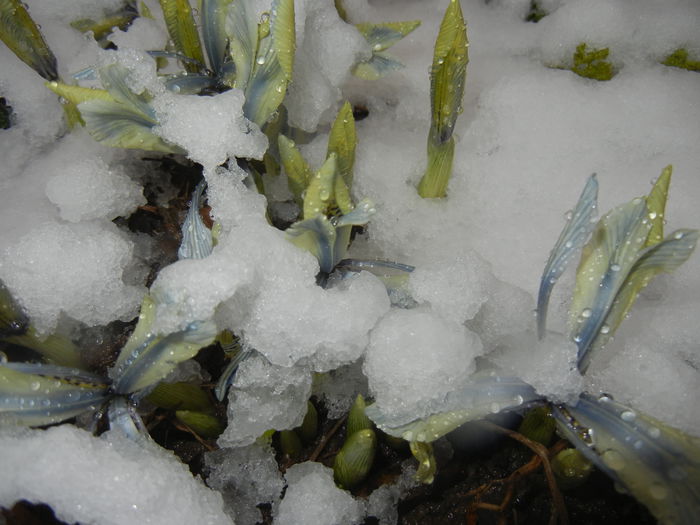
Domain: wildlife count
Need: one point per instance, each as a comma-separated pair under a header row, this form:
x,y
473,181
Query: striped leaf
x,y
272,70
342,141
605,263
572,237
382,36
147,358
242,31
657,464
197,242
295,166
183,31
37,394
19,32
213,15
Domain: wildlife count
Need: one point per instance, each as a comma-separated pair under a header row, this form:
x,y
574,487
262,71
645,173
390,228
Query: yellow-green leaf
x,y
180,396
656,205
427,466
383,36
357,419
378,66
242,31
205,425
319,193
448,73
354,461
283,34
183,30
297,169
19,32
77,94
433,184
342,141
56,349
290,443
309,426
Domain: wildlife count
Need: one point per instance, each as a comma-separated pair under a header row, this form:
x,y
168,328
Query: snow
x,y
530,134
71,268
109,480
313,499
415,357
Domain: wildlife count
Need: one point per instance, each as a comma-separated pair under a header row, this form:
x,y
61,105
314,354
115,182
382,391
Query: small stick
x,y
314,455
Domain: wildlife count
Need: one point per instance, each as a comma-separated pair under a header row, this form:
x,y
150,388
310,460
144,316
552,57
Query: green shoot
x,y
447,77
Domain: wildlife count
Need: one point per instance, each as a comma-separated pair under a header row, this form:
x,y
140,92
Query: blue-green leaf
x,y
485,394
662,257
213,15
242,31
197,242
317,236
571,239
189,84
117,126
605,263
123,417
657,464
37,394
379,65
146,358
113,78
384,35
272,70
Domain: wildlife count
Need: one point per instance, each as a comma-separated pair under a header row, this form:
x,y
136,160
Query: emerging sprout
x,y
447,77
19,32
354,461
593,63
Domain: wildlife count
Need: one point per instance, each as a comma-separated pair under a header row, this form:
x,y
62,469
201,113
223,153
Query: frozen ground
x,y
529,136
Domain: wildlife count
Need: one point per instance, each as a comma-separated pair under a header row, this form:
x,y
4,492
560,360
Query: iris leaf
x,y
571,239
183,30
19,32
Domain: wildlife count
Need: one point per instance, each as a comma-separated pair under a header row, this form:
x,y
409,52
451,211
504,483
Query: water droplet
x,y
260,60
628,415
605,329
652,215
35,385
586,313
615,267
654,432
613,459
518,400
678,235
495,408
568,215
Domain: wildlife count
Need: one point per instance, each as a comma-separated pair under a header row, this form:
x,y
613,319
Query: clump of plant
x,y
680,58
592,63
621,255
447,77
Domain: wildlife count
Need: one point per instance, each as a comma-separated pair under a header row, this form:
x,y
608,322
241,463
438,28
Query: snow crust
x,y
109,480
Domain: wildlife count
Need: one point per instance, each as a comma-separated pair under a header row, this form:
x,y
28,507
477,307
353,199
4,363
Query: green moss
x,y
536,13
679,58
593,63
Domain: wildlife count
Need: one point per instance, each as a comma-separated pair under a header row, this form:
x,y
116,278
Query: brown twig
x,y
317,451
